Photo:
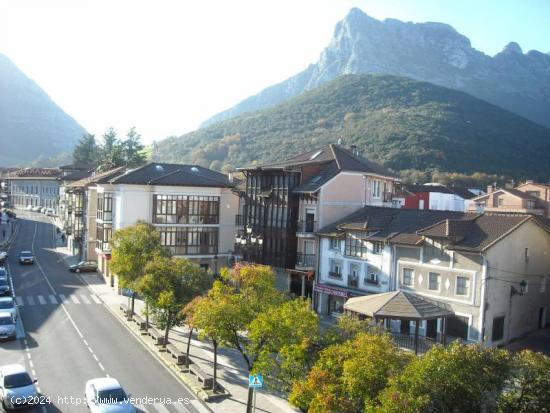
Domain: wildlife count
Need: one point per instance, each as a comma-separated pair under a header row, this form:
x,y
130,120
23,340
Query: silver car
x,y
106,395
7,305
7,327
17,389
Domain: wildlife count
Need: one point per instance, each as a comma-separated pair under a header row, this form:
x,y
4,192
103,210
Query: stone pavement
x,y
232,373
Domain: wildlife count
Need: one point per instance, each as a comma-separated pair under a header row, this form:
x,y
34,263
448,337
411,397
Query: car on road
x,y
36,208
3,256
7,305
26,257
106,395
3,272
29,207
17,389
49,212
7,326
84,266
5,288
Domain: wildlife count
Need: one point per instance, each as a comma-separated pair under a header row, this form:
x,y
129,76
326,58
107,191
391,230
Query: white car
x,y
7,305
7,327
17,389
106,395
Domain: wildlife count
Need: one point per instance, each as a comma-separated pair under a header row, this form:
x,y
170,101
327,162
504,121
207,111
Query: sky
x,y
164,66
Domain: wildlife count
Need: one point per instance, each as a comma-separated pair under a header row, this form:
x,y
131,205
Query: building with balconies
x,y
283,204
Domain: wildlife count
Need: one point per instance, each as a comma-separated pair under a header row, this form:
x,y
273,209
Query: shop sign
x,y
331,290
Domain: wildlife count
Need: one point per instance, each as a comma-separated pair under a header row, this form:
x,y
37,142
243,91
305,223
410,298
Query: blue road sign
x,y
128,292
255,381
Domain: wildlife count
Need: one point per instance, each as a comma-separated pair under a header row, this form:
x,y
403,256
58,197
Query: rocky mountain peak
x,y
512,47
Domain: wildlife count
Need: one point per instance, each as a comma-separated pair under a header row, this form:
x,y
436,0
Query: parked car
x,y
17,389
36,208
29,207
26,257
3,256
49,212
5,288
3,272
7,326
7,305
84,266
107,395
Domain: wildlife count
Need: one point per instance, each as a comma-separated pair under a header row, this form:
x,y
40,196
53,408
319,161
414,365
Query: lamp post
x,y
249,241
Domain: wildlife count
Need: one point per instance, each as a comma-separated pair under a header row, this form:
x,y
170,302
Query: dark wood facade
x,y
271,210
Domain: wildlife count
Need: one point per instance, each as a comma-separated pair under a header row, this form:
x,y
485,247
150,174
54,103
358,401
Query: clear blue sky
x,y
166,65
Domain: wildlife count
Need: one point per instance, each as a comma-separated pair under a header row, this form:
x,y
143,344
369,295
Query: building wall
x,y
416,200
341,196
543,195
507,267
91,227
35,192
446,202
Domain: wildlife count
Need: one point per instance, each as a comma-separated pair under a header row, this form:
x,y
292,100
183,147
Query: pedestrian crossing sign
x,y
255,381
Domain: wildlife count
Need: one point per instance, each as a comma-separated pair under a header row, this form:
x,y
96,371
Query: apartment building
x,y
34,187
283,204
527,198
193,209
490,270
438,197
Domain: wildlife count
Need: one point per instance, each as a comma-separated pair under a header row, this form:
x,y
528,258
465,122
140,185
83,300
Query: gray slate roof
x,y
173,175
398,304
462,231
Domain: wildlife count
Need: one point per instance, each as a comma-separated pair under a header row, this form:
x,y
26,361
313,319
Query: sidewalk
x,y
232,373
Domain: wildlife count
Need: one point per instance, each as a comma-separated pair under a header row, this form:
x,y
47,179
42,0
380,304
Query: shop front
x,y
330,300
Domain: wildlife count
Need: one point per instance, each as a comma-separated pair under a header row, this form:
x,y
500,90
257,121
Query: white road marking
x,y
196,404
90,350
30,300
63,298
101,366
29,356
41,300
53,300
86,343
160,407
85,299
75,299
19,301
33,372
95,357
96,299
31,364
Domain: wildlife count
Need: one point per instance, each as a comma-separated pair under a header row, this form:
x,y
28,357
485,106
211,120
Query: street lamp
x,y
248,240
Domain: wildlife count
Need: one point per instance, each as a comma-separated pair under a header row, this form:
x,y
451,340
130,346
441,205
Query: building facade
x,y
283,204
34,187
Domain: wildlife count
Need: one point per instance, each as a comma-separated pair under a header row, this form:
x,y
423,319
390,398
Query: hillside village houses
x,y
329,224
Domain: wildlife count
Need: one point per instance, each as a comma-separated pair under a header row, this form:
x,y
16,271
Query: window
x,y
335,269
500,201
376,248
183,209
457,326
376,189
335,243
434,281
408,276
498,328
526,254
189,240
462,285
371,278
355,246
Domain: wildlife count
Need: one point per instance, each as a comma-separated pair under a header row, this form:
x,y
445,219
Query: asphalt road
x,y
69,337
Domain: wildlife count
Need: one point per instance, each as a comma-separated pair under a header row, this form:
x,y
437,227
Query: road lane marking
x,y
31,364
95,357
196,404
53,300
19,301
86,343
85,299
160,407
63,298
101,366
41,300
74,298
30,300
96,299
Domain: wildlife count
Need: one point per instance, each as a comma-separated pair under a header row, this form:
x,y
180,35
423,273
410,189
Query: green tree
x,y
230,307
131,249
86,150
169,284
111,153
133,150
188,313
528,385
349,376
458,378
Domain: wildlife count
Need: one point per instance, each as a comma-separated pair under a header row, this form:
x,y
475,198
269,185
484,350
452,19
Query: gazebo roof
x,y
398,304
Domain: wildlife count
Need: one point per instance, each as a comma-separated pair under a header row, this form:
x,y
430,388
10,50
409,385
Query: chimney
x,y
354,150
230,176
491,188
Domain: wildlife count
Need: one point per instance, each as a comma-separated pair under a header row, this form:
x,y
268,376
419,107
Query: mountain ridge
x,y
395,121
431,51
32,125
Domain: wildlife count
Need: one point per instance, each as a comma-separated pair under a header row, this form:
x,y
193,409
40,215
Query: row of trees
x,y
350,367
112,151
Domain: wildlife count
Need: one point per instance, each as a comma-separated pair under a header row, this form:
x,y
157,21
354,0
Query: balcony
x,y
372,280
305,260
387,196
335,275
353,281
307,227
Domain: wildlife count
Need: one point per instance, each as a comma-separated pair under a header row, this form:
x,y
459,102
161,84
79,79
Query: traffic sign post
x,y
255,381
